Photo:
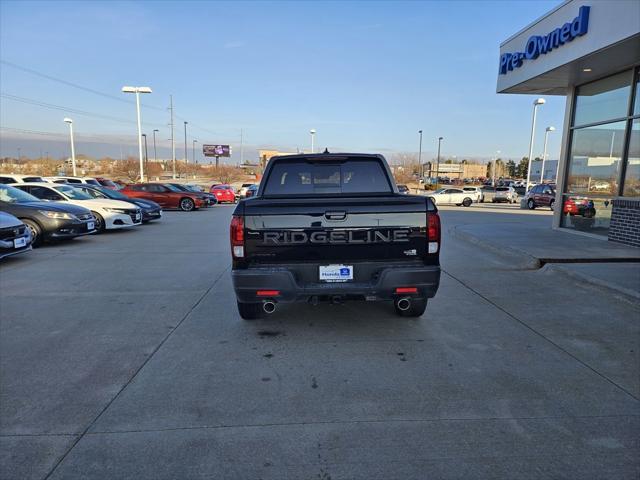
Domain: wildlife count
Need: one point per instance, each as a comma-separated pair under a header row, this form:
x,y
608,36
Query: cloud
x,y
234,44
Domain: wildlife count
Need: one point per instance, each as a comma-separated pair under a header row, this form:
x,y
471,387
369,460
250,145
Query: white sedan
x,y
451,196
109,214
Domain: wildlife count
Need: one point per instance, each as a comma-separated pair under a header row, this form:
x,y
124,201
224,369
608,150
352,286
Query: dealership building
x,y
588,51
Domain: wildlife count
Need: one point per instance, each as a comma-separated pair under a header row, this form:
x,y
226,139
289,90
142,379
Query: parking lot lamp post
x,y
186,158
544,152
73,150
538,101
138,91
146,154
420,157
313,134
438,161
155,153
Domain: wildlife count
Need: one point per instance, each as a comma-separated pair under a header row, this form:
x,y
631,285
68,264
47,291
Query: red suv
x,y
224,193
543,195
166,195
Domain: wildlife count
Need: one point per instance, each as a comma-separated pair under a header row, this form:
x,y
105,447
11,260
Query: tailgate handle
x,y
335,215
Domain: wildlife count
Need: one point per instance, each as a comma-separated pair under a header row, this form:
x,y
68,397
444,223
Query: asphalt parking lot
x,y
123,356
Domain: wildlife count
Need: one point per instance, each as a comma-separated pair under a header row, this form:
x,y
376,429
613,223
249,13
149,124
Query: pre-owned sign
x,y
537,45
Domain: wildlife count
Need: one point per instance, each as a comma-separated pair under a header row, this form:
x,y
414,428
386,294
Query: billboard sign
x,y
216,150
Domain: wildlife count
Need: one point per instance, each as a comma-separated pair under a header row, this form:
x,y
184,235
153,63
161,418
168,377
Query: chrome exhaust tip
x,y
403,304
269,306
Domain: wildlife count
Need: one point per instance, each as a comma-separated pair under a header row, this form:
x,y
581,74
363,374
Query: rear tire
x,y
531,204
552,204
36,232
250,311
417,308
187,205
467,202
99,222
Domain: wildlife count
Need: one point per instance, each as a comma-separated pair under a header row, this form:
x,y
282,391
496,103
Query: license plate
x,y
336,273
20,242
90,225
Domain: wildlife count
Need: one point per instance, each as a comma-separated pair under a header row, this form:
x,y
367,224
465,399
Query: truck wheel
x,y
530,204
417,308
466,202
552,204
250,311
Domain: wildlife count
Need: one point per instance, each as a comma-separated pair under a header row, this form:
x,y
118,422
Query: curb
x,y
632,295
517,257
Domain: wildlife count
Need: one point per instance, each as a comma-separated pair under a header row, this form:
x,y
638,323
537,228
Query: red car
x,y
580,212
543,195
224,193
164,194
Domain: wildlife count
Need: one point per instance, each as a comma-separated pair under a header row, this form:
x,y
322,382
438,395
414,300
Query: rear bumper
x,y
382,286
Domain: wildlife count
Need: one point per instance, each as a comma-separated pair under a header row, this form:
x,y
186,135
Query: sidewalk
x,y
599,262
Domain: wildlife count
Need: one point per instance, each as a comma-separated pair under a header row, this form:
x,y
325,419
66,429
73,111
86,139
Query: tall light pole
x,y
313,134
193,143
438,161
544,152
495,164
138,91
155,153
420,157
146,154
538,101
68,121
173,140
186,158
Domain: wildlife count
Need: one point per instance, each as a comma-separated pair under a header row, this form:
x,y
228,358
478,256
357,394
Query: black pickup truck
x,y
333,227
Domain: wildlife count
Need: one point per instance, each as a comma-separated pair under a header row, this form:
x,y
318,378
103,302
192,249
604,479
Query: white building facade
x,y
588,51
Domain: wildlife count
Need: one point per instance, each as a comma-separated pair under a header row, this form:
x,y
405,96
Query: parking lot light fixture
x,y
438,160
138,91
544,152
146,154
186,158
313,134
421,170
193,143
155,153
536,103
73,150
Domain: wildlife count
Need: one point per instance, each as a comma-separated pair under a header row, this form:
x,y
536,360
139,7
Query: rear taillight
x,y
433,231
237,237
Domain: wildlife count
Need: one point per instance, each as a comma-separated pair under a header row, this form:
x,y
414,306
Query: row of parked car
x,y
41,209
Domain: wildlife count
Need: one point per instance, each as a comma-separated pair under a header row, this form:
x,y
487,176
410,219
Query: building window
x,y
606,99
632,174
594,163
604,147
636,110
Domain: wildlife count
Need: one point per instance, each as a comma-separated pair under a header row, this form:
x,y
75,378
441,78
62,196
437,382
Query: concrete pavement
x,y
533,244
123,357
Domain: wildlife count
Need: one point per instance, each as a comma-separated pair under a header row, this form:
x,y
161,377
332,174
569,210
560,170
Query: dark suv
x,y
543,195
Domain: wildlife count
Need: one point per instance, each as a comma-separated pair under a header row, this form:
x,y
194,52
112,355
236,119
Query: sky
x,y
365,75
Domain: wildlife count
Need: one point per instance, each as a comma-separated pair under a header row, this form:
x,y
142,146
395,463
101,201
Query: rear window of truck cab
x,y
327,177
